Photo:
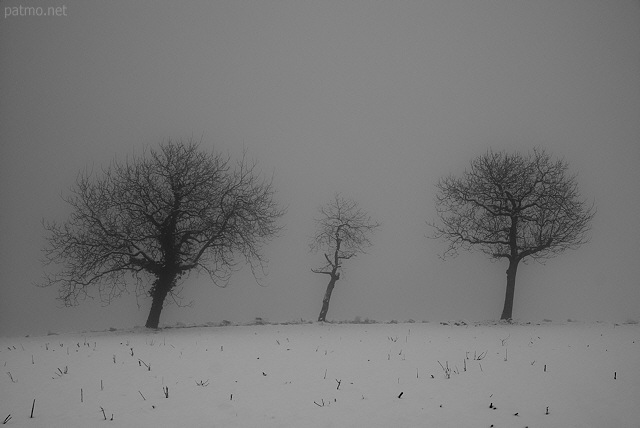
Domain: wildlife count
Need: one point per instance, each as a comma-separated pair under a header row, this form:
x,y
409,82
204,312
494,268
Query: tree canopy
x,y
342,231
512,206
159,216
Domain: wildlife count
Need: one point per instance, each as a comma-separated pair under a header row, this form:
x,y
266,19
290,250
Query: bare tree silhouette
x,y
342,232
512,206
155,218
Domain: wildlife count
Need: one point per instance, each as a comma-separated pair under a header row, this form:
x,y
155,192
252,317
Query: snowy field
x,y
327,375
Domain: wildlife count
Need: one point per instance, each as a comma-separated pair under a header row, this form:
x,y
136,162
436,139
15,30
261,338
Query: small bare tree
x,y
152,219
342,232
512,206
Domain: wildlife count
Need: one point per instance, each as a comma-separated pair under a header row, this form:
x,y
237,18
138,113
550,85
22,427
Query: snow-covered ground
x,y
327,375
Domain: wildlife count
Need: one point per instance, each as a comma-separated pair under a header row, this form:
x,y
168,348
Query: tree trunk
x,y
327,297
511,285
159,293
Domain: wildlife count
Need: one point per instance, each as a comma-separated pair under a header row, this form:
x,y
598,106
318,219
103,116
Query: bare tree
x,y
513,206
154,219
342,232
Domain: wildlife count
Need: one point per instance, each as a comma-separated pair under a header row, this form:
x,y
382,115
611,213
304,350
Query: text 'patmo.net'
x,y
18,11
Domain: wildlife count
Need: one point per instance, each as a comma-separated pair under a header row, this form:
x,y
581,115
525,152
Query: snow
x,y
327,375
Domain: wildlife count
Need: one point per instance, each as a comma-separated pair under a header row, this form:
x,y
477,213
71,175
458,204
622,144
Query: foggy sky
x,y
374,99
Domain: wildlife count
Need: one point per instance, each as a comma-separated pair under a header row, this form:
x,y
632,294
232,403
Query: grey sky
x,y
375,99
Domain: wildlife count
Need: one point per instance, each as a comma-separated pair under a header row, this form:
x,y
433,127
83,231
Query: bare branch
x,y
512,206
162,214
343,230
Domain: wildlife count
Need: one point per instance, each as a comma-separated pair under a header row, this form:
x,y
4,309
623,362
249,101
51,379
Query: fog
x,y
373,99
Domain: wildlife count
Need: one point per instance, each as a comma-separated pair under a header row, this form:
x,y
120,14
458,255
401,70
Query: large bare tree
x,y
514,207
154,218
342,232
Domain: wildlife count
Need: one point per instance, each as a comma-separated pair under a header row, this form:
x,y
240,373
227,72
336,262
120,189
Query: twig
x,y
140,362
33,407
142,396
505,339
61,373
446,370
166,391
339,382
7,419
479,357
105,415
